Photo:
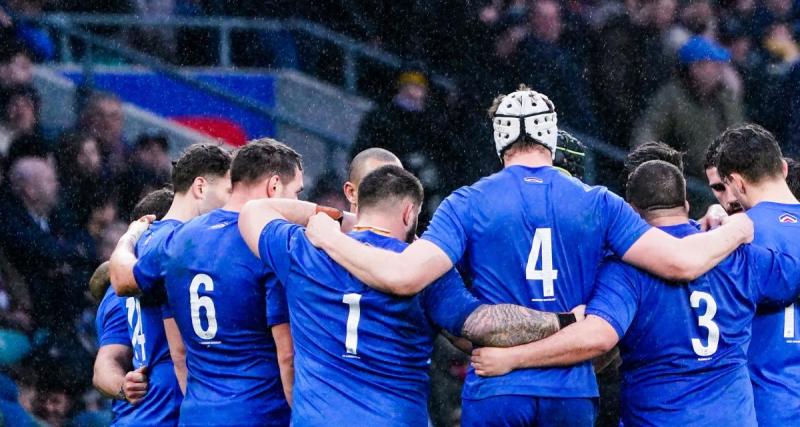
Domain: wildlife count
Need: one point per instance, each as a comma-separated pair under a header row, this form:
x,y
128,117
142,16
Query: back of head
x,y
652,151
154,203
207,160
656,185
523,120
750,151
793,177
264,158
358,166
712,154
384,187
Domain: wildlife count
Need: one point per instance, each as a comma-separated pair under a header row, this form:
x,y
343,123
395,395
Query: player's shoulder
x,y
613,268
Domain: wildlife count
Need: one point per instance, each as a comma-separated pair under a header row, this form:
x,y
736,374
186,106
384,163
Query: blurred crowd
x,y
65,198
625,72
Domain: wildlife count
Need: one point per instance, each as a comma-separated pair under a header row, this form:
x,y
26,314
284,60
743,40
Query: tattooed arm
x,y
508,325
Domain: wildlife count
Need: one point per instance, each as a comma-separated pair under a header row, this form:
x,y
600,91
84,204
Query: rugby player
x,y
531,236
201,182
750,165
684,363
363,355
112,366
362,164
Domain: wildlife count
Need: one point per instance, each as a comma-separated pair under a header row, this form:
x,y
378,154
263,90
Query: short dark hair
x,y
389,183
199,160
793,177
712,154
751,151
264,157
656,185
154,203
652,150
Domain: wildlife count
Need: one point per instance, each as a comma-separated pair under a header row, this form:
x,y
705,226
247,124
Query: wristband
x,y
334,213
565,319
121,394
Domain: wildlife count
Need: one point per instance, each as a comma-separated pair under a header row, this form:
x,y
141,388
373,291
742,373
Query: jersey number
x,y
197,302
788,322
542,243
353,301
705,321
135,320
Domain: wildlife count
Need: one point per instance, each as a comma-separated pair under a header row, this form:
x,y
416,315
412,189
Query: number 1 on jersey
x,y
542,243
788,322
353,301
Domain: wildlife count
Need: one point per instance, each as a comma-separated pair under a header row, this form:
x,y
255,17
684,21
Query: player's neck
x,y
533,159
380,225
668,220
182,209
241,195
776,191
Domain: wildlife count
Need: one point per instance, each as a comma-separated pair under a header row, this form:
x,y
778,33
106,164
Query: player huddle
x,y
241,305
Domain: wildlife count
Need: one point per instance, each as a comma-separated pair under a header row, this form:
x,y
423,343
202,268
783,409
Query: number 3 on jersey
x,y
706,321
542,243
196,302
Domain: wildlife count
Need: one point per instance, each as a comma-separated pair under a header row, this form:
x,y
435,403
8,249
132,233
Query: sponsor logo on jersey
x,y
533,180
787,219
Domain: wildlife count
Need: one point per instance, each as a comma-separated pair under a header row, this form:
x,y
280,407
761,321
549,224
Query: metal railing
x,y
353,51
93,42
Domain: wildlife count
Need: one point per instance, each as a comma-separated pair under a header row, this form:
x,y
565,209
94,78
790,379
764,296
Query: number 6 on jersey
x,y
542,243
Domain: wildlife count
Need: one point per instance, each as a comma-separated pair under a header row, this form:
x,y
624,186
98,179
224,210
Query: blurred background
x,y
98,96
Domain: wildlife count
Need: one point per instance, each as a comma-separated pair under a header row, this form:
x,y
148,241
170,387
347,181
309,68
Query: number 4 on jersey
x,y
542,243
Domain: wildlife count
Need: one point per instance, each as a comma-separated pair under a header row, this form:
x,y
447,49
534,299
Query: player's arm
x,y
256,214
508,325
688,258
124,258
576,343
285,350
177,351
112,377
404,273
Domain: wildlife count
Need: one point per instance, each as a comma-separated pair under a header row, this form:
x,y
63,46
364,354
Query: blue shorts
x,y
526,411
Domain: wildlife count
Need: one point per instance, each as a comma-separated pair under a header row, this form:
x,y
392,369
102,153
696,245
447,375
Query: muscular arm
x,y
123,258
285,350
113,361
177,351
405,273
256,214
508,325
688,258
576,343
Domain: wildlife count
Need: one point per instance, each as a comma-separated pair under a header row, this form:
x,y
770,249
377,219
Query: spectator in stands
x,y
35,39
80,171
791,131
691,110
148,169
416,134
16,66
20,115
551,69
103,118
53,269
630,61
11,412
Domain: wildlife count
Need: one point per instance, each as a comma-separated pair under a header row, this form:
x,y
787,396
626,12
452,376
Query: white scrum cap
x,y
529,112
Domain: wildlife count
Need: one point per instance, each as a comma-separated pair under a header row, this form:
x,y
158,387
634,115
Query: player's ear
x,y
409,212
784,168
199,187
686,206
350,192
737,182
274,186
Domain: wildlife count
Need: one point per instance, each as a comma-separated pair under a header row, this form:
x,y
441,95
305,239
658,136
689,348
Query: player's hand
x,y
321,228
138,227
740,223
579,312
135,386
492,361
713,218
